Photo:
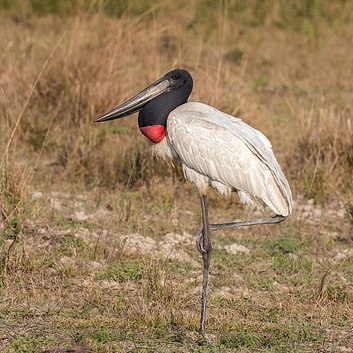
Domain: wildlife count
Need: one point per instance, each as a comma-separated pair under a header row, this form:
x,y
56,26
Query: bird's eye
x,y
175,77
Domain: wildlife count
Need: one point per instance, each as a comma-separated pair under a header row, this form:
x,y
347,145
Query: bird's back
x,y
229,154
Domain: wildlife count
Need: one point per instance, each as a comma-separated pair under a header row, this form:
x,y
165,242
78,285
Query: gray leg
x,y
205,248
251,222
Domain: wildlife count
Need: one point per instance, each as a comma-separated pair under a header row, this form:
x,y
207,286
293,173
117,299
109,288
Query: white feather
x,y
218,149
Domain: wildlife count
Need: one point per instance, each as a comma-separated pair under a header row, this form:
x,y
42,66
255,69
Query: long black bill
x,y
137,102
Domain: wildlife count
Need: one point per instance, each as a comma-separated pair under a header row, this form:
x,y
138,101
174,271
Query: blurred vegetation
x,y
296,14
223,36
116,8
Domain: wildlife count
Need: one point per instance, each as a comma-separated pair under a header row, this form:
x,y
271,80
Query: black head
x,y
155,102
179,79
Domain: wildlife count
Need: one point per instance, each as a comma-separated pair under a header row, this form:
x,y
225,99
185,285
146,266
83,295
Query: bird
x,y
215,150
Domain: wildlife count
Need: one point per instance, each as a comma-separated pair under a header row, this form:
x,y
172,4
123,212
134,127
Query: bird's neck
x,y
152,119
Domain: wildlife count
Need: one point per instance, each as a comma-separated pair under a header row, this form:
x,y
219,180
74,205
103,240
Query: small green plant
x,y
282,245
261,82
15,207
235,56
123,269
240,339
27,344
102,334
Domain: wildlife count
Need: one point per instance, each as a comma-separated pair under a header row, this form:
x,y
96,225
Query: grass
x,y
74,193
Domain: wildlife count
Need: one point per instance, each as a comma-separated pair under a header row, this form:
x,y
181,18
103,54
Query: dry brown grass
x,y
279,88
295,86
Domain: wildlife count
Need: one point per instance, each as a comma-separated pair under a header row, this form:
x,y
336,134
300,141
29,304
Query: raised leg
x,y
204,246
250,222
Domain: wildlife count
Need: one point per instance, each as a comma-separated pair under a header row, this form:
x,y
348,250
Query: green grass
x,y
286,244
123,270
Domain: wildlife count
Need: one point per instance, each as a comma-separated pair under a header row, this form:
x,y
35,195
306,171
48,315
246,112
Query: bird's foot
x,y
199,243
204,339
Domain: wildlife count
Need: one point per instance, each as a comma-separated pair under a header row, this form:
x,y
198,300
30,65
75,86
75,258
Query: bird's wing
x,y
229,151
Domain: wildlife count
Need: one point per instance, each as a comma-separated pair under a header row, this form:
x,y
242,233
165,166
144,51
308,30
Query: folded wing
x,y
229,152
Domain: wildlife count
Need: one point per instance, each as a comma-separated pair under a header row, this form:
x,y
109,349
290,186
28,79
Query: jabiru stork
x,y
215,149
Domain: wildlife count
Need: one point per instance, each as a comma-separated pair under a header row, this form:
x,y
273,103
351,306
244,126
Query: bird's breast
x,y
155,133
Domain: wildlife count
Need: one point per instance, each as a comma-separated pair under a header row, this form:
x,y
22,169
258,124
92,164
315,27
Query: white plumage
x,y
221,151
